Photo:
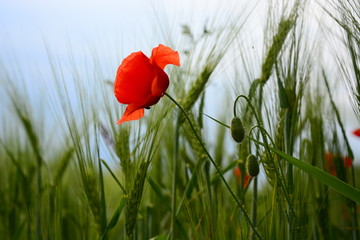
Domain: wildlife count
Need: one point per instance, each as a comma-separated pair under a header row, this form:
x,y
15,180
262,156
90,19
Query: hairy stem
x,y
246,216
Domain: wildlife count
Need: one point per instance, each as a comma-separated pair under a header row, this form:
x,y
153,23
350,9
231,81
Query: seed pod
x,y
237,130
252,165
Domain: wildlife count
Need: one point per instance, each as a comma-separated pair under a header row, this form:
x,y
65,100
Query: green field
x,y
68,171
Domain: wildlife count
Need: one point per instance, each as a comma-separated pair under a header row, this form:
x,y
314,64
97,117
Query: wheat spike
x,y
133,203
284,28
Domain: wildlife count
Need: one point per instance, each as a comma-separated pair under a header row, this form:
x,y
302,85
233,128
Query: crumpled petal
x,y
160,83
134,79
132,112
163,55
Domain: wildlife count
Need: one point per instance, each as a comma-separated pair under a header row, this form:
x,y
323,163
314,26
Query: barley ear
x,y
93,196
133,202
278,41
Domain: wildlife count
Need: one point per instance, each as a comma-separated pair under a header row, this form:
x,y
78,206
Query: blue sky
x,y
25,23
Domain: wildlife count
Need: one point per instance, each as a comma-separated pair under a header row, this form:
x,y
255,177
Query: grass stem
x,y
174,180
246,216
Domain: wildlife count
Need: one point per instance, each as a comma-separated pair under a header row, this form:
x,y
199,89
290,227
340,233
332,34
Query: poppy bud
x,y
252,165
237,130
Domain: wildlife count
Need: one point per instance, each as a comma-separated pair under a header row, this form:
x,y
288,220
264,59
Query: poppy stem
x,y
246,216
278,172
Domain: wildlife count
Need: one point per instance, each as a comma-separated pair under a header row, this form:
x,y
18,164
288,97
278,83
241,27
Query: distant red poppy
x,y
329,158
356,132
347,162
141,81
237,173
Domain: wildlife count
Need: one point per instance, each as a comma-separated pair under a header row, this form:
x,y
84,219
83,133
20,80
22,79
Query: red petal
x,y
160,83
357,132
247,180
329,158
163,55
132,112
134,79
237,173
150,100
347,162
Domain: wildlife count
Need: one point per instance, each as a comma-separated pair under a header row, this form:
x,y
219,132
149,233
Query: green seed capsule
x,y
237,130
252,165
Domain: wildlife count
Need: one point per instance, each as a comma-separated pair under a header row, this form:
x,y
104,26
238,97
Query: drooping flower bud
x,y
252,165
237,130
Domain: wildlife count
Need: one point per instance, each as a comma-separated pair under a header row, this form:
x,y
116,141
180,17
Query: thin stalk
x,y
113,175
350,152
272,218
267,147
174,180
254,200
254,206
355,223
246,216
290,174
102,201
38,205
341,187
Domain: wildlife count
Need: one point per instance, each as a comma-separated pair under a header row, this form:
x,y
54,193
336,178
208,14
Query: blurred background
x,y
75,32
70,172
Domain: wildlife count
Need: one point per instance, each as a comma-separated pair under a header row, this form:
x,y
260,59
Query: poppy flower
x,y
356,132
141,81
347,162
329,158
238,175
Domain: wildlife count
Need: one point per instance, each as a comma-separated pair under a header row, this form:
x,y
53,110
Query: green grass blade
x,y
157,189
333,182
229,167
115,217
166,202
113,175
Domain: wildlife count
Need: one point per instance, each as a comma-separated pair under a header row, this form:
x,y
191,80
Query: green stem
x,y
102,201
355,223
341,187
113,175
254,206
38,203
266,145
254,200
246,216
174,180
290,175
258,126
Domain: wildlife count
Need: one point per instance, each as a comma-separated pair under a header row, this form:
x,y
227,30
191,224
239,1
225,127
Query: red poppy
x,y
347,162
237,173
356,132
141,81
329,158
246,180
